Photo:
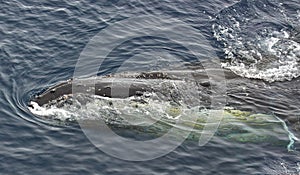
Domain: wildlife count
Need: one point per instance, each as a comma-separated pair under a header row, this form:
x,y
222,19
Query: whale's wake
x,y
257,45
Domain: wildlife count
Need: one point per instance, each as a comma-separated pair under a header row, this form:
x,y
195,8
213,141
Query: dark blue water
x,y
41,42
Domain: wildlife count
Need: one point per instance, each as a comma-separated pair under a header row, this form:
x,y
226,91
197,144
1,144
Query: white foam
x,y
59,113
274,57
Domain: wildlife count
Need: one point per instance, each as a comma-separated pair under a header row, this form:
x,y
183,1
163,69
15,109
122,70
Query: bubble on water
x,y
259,48
281,167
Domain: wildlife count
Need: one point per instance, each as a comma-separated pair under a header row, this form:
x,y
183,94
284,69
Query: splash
x,y
257,45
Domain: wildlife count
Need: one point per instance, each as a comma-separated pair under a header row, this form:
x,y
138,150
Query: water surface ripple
x,y
41,42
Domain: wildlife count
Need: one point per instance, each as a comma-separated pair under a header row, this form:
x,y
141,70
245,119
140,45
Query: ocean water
x,y
42,41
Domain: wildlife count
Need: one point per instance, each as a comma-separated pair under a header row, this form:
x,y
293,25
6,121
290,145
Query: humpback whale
x,y
241,94
139,82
